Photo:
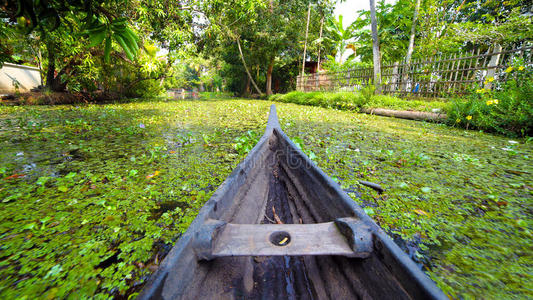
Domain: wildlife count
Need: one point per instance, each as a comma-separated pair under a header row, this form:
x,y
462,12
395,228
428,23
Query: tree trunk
x,y
305,44
269,77
39,56
375,47
53,81
246,68
447,24
406,114
320,44
412,36
405,76
50,72
247,87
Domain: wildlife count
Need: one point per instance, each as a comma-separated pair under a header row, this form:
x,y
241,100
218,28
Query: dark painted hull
x,y
276,174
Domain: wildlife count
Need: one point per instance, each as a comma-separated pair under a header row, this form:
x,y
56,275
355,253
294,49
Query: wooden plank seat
x,y
345,236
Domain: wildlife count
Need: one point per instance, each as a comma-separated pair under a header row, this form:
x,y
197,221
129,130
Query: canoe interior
x,y
277,177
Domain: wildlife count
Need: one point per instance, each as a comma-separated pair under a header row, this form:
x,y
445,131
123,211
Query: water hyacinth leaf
x,y
100,202
402,185
11,197
369,211
42,180
70,175
311,155
55,270
426,190
29,226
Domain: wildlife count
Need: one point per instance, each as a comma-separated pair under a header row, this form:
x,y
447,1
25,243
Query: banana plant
x,y
116,29
339,36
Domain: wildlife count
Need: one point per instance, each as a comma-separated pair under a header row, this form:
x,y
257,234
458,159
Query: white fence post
x,y
492,67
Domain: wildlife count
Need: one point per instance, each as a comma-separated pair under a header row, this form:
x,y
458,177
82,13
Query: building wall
x,y
24,77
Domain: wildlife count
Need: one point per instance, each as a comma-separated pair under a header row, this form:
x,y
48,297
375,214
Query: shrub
x,y
400,104
215,95
508,110
146,89
356,101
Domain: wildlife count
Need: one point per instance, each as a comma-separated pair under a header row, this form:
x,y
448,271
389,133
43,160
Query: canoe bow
x,y
325,247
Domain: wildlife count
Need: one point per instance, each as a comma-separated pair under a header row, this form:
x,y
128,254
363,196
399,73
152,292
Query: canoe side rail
x,y
345,236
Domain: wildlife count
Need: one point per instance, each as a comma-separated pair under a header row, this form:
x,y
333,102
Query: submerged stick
x,y
372,185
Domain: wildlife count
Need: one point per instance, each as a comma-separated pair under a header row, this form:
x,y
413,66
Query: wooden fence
x,y
437,76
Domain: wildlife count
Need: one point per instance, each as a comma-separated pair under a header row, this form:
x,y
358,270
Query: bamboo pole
x,y
375,47
306,34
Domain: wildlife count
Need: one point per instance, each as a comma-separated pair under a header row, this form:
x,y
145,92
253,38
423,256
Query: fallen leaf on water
x,y
501,203
15,176
152,175
421,212
516,172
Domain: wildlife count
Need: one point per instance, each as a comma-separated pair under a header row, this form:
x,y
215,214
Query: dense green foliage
x,y
107,46
94,196
394,24
271,35
507,110
112,46
357,100
449,26
454,25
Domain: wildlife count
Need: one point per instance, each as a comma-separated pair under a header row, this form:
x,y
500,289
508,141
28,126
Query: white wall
x,y
26,77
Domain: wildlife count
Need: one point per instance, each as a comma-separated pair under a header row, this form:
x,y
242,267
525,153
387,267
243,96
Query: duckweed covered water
x,y
93,197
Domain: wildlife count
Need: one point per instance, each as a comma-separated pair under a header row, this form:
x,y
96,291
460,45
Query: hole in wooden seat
x,y
280,238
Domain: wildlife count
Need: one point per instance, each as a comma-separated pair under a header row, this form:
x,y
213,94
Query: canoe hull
x,y
278,182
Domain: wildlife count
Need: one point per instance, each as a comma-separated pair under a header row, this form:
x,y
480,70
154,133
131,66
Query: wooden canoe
x,y
280,228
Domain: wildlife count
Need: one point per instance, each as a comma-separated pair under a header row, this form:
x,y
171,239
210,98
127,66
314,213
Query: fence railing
x,y
432,77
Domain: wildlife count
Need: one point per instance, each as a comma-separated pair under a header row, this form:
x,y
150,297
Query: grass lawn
x,y
93,197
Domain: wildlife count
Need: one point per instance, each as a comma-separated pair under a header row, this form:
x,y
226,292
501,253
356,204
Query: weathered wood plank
x,y
346,237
